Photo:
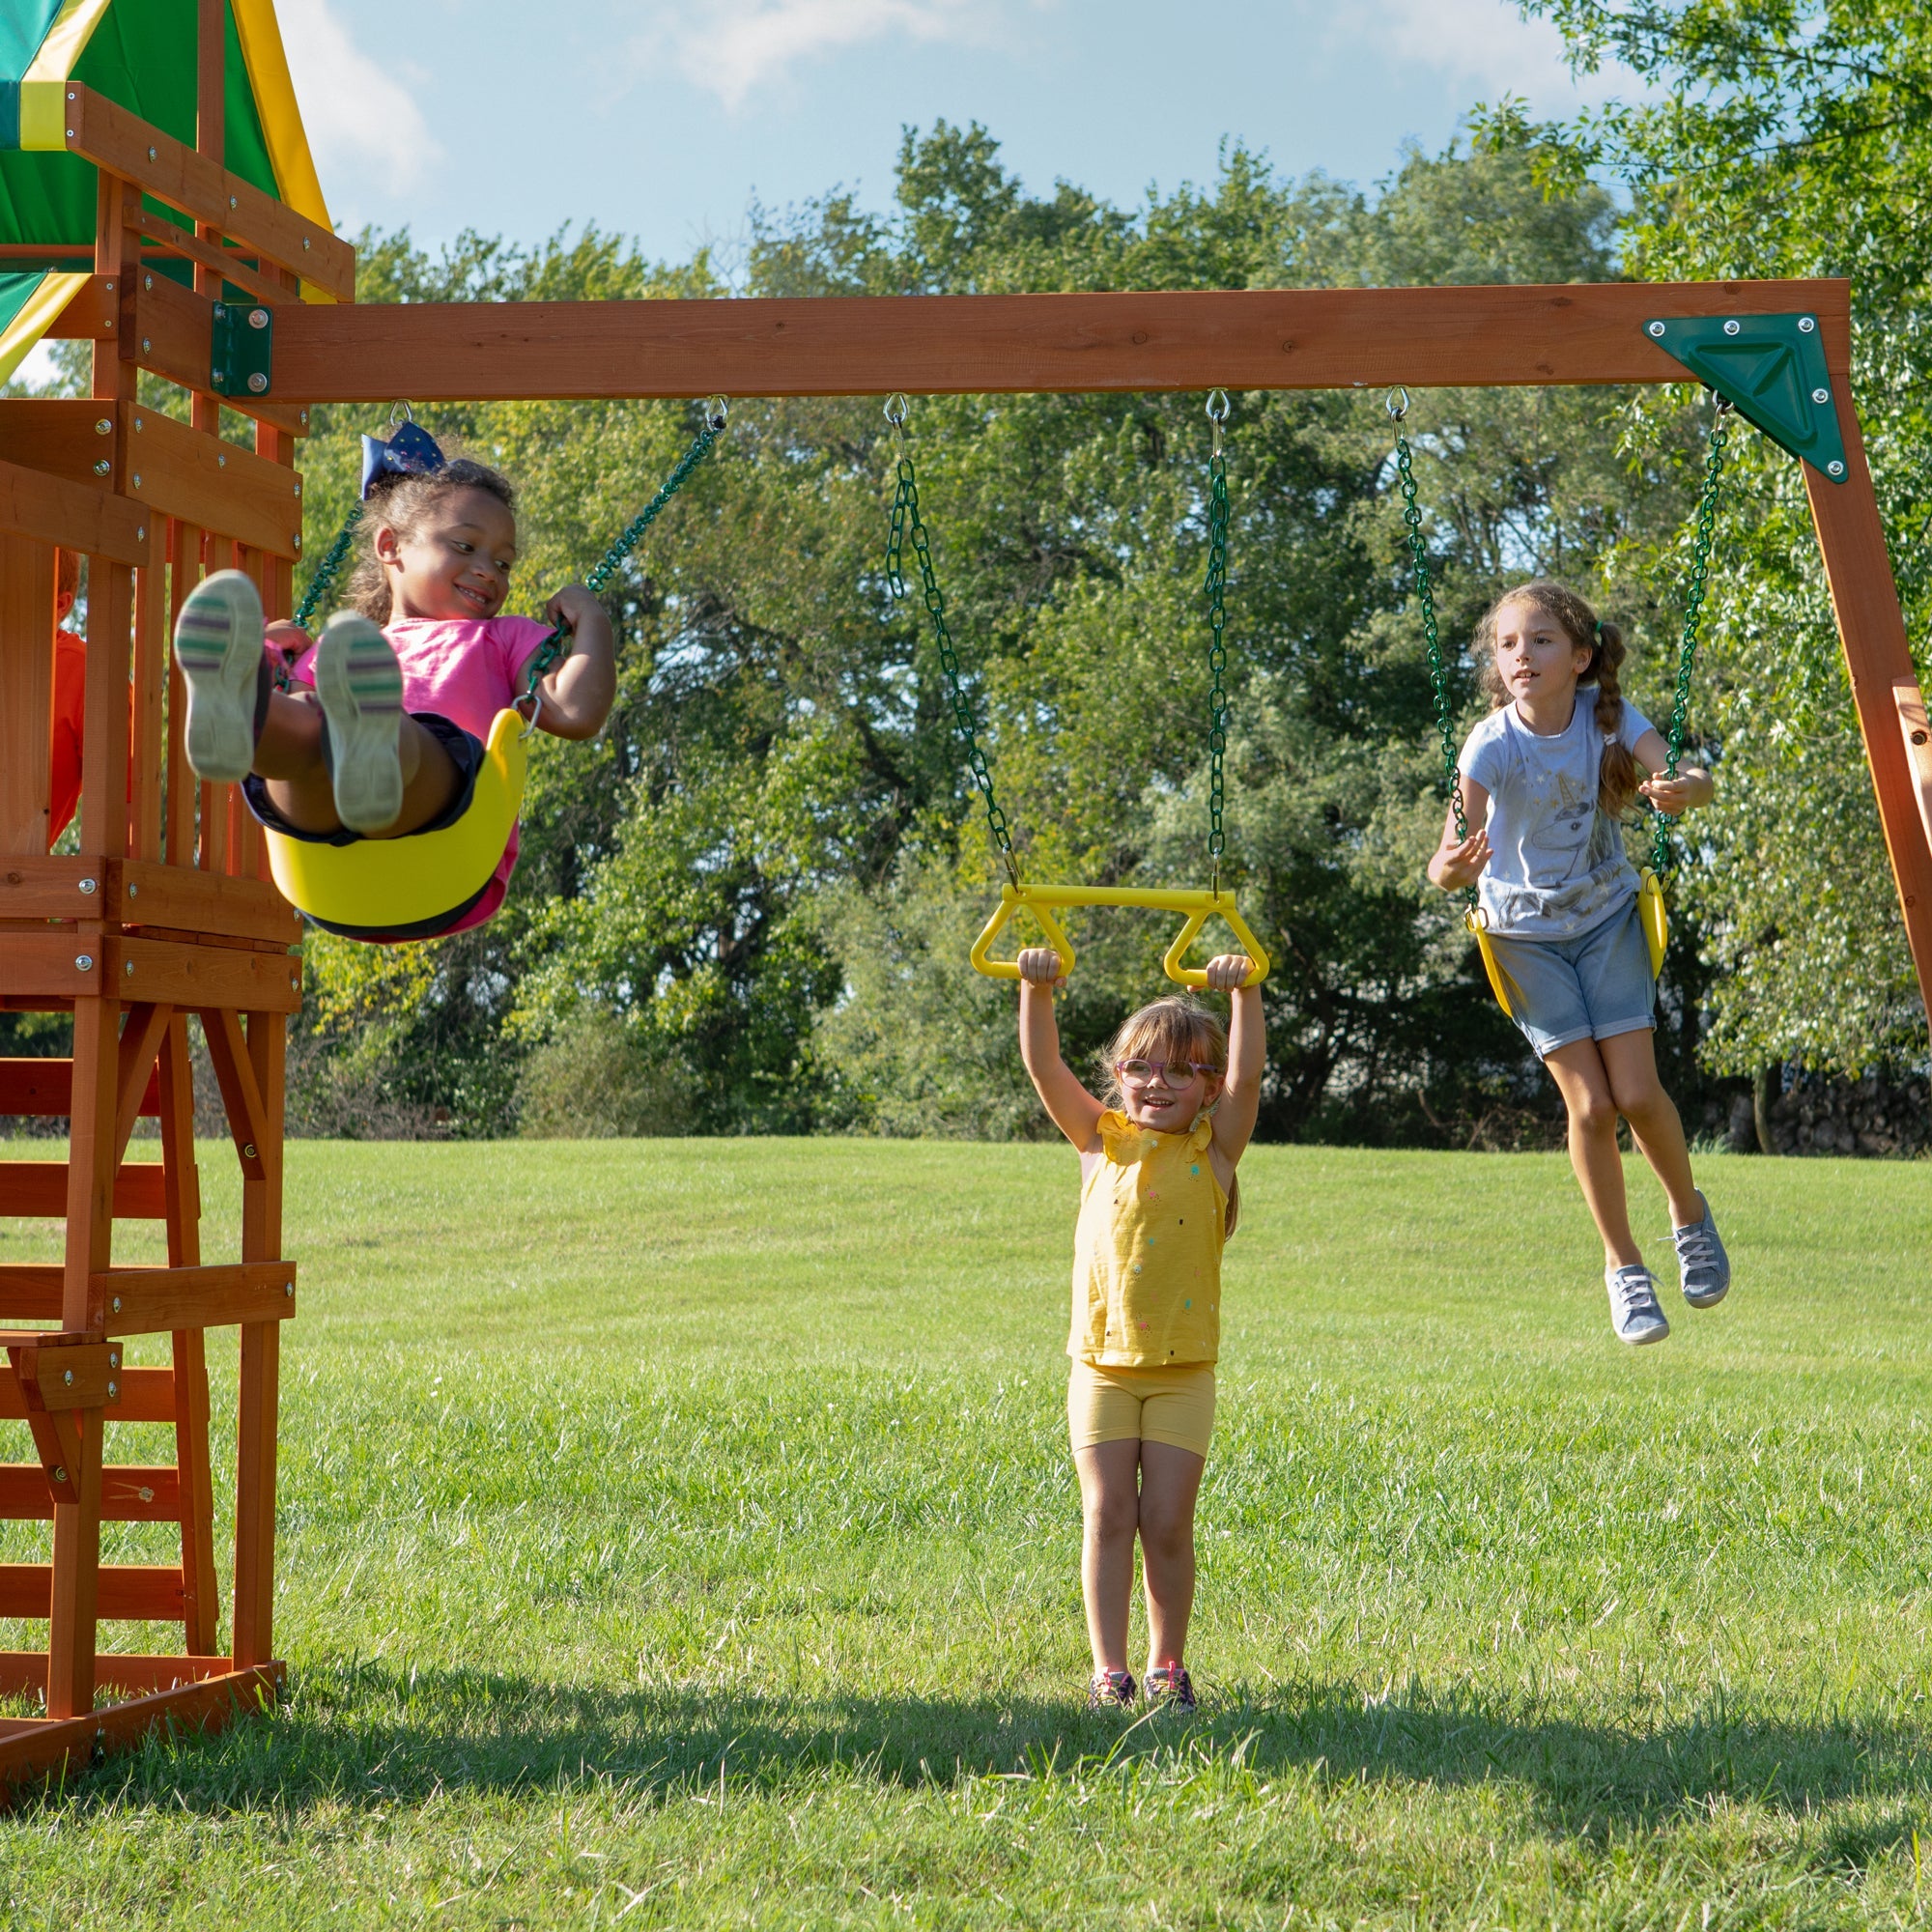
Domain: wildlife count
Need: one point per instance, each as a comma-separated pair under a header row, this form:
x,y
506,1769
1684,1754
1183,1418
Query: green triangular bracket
x,y
1771,369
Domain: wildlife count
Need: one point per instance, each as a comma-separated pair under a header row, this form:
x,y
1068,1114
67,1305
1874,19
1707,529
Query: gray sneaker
x,y
218,646
1633,1311
1702,1262
360,686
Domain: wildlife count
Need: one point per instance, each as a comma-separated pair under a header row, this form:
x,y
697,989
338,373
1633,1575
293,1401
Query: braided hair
x,y
399,502
1605,641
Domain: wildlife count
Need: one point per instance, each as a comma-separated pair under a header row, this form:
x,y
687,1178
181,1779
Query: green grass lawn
x,y
683,1533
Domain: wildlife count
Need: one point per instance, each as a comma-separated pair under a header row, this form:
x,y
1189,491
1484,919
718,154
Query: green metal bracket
x,y
1771,369
241,350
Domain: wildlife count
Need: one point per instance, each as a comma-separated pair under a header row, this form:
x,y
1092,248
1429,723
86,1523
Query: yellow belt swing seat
x,y
1043,901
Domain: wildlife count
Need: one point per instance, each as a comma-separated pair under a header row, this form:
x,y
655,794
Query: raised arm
x,y
577,697
1458,861
1068,1105
1692,786
1248,1055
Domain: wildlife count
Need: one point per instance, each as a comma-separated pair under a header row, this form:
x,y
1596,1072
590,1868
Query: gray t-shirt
x,y
1558,869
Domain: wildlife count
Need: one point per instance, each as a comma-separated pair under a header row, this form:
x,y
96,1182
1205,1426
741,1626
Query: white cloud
x,y
1482,44
363,123
731,48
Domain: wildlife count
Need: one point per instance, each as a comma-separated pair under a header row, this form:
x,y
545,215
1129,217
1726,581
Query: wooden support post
x,y
261,1361
26,675
1871,628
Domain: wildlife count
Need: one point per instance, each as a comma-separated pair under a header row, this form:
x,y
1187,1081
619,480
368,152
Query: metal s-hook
x,y
401,412
716,413
1218,411
1396,410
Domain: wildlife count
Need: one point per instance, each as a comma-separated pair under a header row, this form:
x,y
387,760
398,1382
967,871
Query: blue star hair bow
x,y
411,451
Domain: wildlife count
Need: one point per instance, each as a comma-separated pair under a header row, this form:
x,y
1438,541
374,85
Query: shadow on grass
x,y
365,1734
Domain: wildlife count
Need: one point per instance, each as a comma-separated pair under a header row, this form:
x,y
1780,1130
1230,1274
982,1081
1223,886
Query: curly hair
x,y
1605,641
1173,1028
400,503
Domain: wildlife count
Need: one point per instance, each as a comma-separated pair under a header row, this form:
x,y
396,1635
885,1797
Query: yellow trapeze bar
x,y
1656,919
1041,902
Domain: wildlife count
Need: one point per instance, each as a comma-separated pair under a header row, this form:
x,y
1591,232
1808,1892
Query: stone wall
x,y
1874,1116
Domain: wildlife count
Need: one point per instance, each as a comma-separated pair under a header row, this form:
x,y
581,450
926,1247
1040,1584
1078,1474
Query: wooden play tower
x,y
156,199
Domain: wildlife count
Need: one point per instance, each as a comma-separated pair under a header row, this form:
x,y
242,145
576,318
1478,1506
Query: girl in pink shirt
x,y
382,736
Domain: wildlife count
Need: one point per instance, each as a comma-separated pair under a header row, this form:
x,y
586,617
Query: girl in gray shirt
x,y
1545,779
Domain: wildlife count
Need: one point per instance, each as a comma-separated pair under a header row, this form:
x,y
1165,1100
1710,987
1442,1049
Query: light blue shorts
x,y
1587,988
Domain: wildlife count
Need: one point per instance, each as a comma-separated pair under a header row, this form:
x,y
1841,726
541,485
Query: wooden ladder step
x,y
36,1189
130,1592
129,1492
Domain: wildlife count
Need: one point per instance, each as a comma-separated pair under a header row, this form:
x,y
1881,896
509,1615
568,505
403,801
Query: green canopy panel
x,y
141,55
30,299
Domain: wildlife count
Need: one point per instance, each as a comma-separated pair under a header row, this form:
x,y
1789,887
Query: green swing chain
x,y
1425,594
1693,612
1217,642
324,571
551,652
908,522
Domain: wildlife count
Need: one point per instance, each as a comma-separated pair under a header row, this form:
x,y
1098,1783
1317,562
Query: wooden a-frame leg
x,y
261,1354
92,1158
200,1591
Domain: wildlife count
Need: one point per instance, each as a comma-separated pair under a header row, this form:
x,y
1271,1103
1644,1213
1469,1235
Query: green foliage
x,y
1782,137
766,868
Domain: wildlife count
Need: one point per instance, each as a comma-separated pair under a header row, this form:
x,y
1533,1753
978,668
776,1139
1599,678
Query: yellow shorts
x,y
1173,1406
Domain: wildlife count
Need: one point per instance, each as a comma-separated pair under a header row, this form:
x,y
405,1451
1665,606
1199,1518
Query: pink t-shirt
x,y
465,670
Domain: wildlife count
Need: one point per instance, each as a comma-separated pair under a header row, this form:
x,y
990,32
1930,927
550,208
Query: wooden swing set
x,y
211,264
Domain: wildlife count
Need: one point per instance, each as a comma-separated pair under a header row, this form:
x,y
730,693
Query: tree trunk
x,y
1765,1086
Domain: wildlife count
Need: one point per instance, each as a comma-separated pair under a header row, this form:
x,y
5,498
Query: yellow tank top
x,y
1147,1253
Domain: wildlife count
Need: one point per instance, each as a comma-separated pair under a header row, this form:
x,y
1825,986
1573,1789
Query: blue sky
x,y
664,118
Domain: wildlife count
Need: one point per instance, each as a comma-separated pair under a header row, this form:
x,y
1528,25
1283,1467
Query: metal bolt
x,y
299,487
231,201
1732,327
70,133
1834,467
289,1288
1655,327
67,1378
134,892
104,426
140,423
114,1354
85,961
137,479
218,375
222,462
1820,395
303,413
147,346
258,318
73,96
257,382
113,1391
147,281
1805,324
151,153
60,1474
141,536
101,468
110,288
87,884
1918,738
117,1304
248,1150
127,970
296,540
220,309
304,243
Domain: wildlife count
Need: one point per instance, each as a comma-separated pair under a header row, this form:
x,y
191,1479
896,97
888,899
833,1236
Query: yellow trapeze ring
x,y
1041,902
389,885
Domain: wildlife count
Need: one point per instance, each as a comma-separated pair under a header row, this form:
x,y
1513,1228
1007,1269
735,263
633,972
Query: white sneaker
x,y
360,686
1634,1314
1702,1264
218,646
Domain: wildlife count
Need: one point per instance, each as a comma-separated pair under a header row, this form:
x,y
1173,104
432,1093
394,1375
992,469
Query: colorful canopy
x,y
141,55
30,299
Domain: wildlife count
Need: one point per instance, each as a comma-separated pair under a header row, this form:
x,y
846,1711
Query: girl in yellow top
x,y
1157,1199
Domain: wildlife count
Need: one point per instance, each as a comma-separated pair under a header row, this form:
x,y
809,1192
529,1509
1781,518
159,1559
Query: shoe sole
x,y
1657,1334
1707,1300
360,686
218,646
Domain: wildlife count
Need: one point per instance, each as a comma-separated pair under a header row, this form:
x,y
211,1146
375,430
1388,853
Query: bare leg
x,y
288,754
1110,1507
1170,1483
1630,1058
1584,1083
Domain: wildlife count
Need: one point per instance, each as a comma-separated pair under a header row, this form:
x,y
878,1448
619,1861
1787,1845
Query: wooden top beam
x,y
1049,344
